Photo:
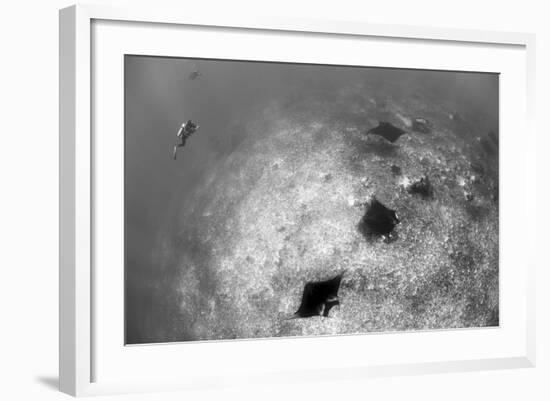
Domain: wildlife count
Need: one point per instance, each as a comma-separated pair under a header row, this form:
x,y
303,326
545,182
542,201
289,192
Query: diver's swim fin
x,y
175,152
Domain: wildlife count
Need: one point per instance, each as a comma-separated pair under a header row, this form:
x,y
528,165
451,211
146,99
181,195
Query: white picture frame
x,y
78,163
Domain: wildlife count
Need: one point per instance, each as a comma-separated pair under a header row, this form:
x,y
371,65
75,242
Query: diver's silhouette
x,y
186,130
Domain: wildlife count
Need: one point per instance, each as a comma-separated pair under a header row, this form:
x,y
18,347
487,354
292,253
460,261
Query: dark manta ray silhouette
x,y
387,131
319,297
378,220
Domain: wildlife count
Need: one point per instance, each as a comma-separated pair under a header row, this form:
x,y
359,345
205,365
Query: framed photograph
x,y
277,200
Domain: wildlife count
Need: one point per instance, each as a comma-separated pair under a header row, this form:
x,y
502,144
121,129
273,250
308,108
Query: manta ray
x,y
319,297
378,220
387,131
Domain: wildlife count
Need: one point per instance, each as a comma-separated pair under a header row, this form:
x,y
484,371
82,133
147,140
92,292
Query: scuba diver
x,y
186,130
194,75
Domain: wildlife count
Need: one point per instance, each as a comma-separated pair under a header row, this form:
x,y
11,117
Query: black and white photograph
x,y
267,199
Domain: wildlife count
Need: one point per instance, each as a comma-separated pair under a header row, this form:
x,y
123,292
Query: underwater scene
x,y
275,199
